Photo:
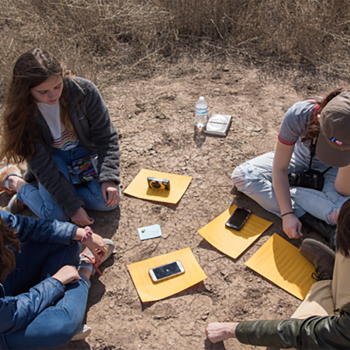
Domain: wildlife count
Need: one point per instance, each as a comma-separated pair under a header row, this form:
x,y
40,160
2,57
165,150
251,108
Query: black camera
x,y
309,179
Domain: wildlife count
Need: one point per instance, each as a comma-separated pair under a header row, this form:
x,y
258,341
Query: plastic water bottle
x,y
201,112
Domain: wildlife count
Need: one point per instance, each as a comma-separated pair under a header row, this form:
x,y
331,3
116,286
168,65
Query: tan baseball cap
x,y
333,143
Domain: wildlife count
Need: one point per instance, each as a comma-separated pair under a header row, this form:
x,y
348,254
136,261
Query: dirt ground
x,y
155,119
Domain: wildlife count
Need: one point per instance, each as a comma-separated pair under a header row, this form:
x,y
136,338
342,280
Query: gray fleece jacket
x,y
91,121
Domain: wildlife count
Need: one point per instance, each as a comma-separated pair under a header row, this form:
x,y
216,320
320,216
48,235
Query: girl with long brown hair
x,y
305,180
61,127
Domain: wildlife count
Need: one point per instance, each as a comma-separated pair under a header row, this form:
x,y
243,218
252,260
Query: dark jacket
x,y
91,121
17,311
315,332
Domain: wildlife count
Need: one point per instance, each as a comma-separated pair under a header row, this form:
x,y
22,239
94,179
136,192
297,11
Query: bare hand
x,y
81,218
220,331
97,246
110,192
67,274
292,226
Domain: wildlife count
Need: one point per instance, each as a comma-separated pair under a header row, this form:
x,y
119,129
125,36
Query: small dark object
x,y
238,218
309,179
163,184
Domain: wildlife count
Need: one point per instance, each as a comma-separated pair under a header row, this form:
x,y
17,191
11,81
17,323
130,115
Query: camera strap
x,y
313,144
313,152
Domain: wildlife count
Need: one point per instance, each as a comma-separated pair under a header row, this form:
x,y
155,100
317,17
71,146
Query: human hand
x,y
292,226
81,218
110,192
67,274
97,246
220,331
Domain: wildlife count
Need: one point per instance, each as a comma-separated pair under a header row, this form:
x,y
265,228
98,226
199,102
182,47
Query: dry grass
x,y
92,37
114,39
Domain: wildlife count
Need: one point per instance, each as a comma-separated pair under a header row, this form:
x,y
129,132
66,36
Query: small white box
x,y
218,124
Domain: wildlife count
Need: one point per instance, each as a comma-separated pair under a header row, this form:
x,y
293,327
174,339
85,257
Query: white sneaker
x,y
83,333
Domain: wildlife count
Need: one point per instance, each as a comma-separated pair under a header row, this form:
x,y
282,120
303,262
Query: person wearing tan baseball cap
x,y
305,180
333,143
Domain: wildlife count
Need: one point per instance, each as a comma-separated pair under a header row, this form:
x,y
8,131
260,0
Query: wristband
x,y
290,212
87,235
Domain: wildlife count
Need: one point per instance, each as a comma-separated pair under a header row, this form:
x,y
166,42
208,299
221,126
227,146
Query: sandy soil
x,y
155,120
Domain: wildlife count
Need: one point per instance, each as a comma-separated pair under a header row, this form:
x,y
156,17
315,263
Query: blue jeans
x,y
254,178
58,323
43,205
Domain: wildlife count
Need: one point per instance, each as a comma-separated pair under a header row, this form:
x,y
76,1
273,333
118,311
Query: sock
x,y
87,266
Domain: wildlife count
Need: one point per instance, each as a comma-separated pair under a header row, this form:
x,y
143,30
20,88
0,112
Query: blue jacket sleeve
x,y
40,230
17,312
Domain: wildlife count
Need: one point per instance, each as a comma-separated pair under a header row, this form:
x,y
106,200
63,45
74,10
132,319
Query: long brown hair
x,y
342,239
7,256
313,128
18,129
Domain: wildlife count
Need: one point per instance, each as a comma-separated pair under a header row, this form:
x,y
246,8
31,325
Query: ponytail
x,y
313,127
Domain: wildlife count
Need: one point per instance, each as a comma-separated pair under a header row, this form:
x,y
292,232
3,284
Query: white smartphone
x,y
166,271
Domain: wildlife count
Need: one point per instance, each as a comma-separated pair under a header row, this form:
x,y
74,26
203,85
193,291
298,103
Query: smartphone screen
x,y
165,271
238,218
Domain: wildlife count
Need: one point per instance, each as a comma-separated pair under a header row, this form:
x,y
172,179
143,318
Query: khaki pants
x,y
326,296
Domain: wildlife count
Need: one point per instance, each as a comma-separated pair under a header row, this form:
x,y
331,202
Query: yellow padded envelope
x,y
229,241
281,263
139,187
151,291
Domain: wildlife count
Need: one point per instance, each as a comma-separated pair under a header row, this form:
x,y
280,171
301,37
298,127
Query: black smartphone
x,y
238,218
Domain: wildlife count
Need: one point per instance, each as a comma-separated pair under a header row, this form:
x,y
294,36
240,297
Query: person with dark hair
x,y
342,239
44,282
305,180
322,321
61,127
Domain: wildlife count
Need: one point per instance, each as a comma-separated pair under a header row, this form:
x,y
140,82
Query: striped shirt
x,y
61,138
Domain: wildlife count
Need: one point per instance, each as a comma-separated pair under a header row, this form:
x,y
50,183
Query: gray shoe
x,y
82,333
87,258
321,256
5,173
